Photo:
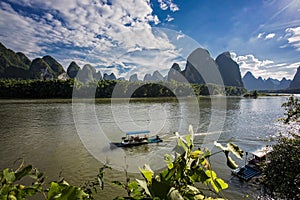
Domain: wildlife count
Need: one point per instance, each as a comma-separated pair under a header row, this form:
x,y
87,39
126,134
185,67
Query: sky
x,y
141,36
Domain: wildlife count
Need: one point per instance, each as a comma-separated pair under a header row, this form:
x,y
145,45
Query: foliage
x,y
281,174
253,94
12,88
62,191
292,108
91,187
11,189
178,180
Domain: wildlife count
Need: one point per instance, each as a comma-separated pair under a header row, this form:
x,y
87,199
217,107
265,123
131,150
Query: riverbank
x,y
37,89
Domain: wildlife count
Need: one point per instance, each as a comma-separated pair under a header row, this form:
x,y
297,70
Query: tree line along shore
x,y
11,88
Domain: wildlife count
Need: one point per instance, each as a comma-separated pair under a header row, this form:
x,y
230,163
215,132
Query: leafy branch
x,y
183,171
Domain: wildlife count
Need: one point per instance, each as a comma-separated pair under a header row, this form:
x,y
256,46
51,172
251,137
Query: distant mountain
x,y
147,78
19,66
24,58
295,84
230,70
284,83
252,83
86,74
201,68
133,78
13,65
156,76
54,65
109,77
175,74
73,69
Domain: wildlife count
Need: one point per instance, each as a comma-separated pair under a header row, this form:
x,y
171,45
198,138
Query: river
x,y
55,135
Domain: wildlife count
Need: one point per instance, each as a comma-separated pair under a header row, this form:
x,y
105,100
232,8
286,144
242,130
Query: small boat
x,y
246,172
252,166
134,138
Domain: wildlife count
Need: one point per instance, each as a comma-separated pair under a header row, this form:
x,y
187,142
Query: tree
x,y
281,174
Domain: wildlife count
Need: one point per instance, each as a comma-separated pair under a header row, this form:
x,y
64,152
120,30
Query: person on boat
x,y
136,139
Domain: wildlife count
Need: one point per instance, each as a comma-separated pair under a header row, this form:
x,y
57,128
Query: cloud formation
x,y
293,35
263,68
169,18
168,4
270,36
100,31
266,36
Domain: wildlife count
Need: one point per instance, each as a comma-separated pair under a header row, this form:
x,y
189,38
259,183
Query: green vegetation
x,y
254,94
281,174
12,88
36,88
12,185
284,91
177,181
12,190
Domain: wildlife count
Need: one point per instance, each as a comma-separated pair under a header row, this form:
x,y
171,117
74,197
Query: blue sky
x,y
140,36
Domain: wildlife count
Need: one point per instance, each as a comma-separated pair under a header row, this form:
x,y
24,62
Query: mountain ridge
x,y
200,68
252,83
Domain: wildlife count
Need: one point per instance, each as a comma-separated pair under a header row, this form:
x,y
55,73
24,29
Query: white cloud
x,y
266,36
260,35
293,37
168,4
169,18
179,36
71,30
163,5
264,68
174,7
270,36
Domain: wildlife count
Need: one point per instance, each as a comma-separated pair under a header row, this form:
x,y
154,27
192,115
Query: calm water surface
x,y
43,132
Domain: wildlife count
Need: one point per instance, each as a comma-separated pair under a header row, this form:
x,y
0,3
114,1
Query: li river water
x,y
71,139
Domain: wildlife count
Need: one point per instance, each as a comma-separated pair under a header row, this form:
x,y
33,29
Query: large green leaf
x,y
54,190
144,185
63,191
195,154
147,173
159,189
221,184
25,171
202,175
217,183
169,160
211,174
235,150
230,163
181,144
189,141
191,131
9,176
213,184
133,187
220,146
